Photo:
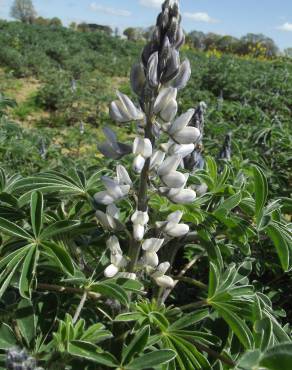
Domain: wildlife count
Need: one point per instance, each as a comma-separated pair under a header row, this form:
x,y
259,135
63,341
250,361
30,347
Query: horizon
x,y
226,18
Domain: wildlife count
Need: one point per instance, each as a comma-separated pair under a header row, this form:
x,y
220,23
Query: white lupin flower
x,y
168,174
182,150
142,148
182,196
116,188
172,227
117,259
123,176
156,159
114,191
180,132
124,110
166,104
140,220
110,219
150,248
160,278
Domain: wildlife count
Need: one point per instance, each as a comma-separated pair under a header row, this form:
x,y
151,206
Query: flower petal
x,y
187,135
111,271
165,282
184,196
174,179
181,122
103,197
138,163
169,164
176,230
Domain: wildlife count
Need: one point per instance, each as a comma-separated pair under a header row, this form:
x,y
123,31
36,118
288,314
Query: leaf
x,y
26,320
278,357
261,191
61,255
58,228
237,325
27,272
12,229
128,316
36,212
111,290
283,243
7,337
152,359
7,280
213,279
90,352
137,345
190,319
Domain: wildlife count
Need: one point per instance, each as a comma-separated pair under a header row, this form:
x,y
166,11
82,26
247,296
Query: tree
x,y
55,22
23,10
134,34
197,39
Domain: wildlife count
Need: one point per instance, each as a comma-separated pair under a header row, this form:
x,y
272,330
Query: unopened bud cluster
x,y
160,163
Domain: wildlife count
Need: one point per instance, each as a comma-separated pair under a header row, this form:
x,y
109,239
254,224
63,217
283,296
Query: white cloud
x,y
151,3
112,11
200,17
285,27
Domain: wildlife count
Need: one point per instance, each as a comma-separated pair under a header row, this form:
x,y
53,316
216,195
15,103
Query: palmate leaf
x,y
60,255
111,290
36,212
9,228
261,192
7,337
137,345
152,359
28,271
282,240
89,351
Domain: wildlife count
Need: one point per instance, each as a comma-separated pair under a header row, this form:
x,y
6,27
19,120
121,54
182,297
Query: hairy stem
x,y
215,354
68,290
80,307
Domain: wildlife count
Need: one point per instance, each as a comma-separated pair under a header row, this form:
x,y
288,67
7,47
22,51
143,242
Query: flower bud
x,y
152,70
138,79
183,76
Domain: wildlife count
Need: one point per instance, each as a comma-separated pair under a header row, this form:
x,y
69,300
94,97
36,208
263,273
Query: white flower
x,y
180,132
124,110
116,189
156,159
123,177
117,259
110,219
160,278
139,219
150,248
166,104
168,174
142,148
179,196
113,193
172,227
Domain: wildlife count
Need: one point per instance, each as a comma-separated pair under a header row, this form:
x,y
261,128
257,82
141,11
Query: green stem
x,y
191,281
194,305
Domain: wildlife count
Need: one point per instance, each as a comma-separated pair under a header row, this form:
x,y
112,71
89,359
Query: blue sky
x,y
234,17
